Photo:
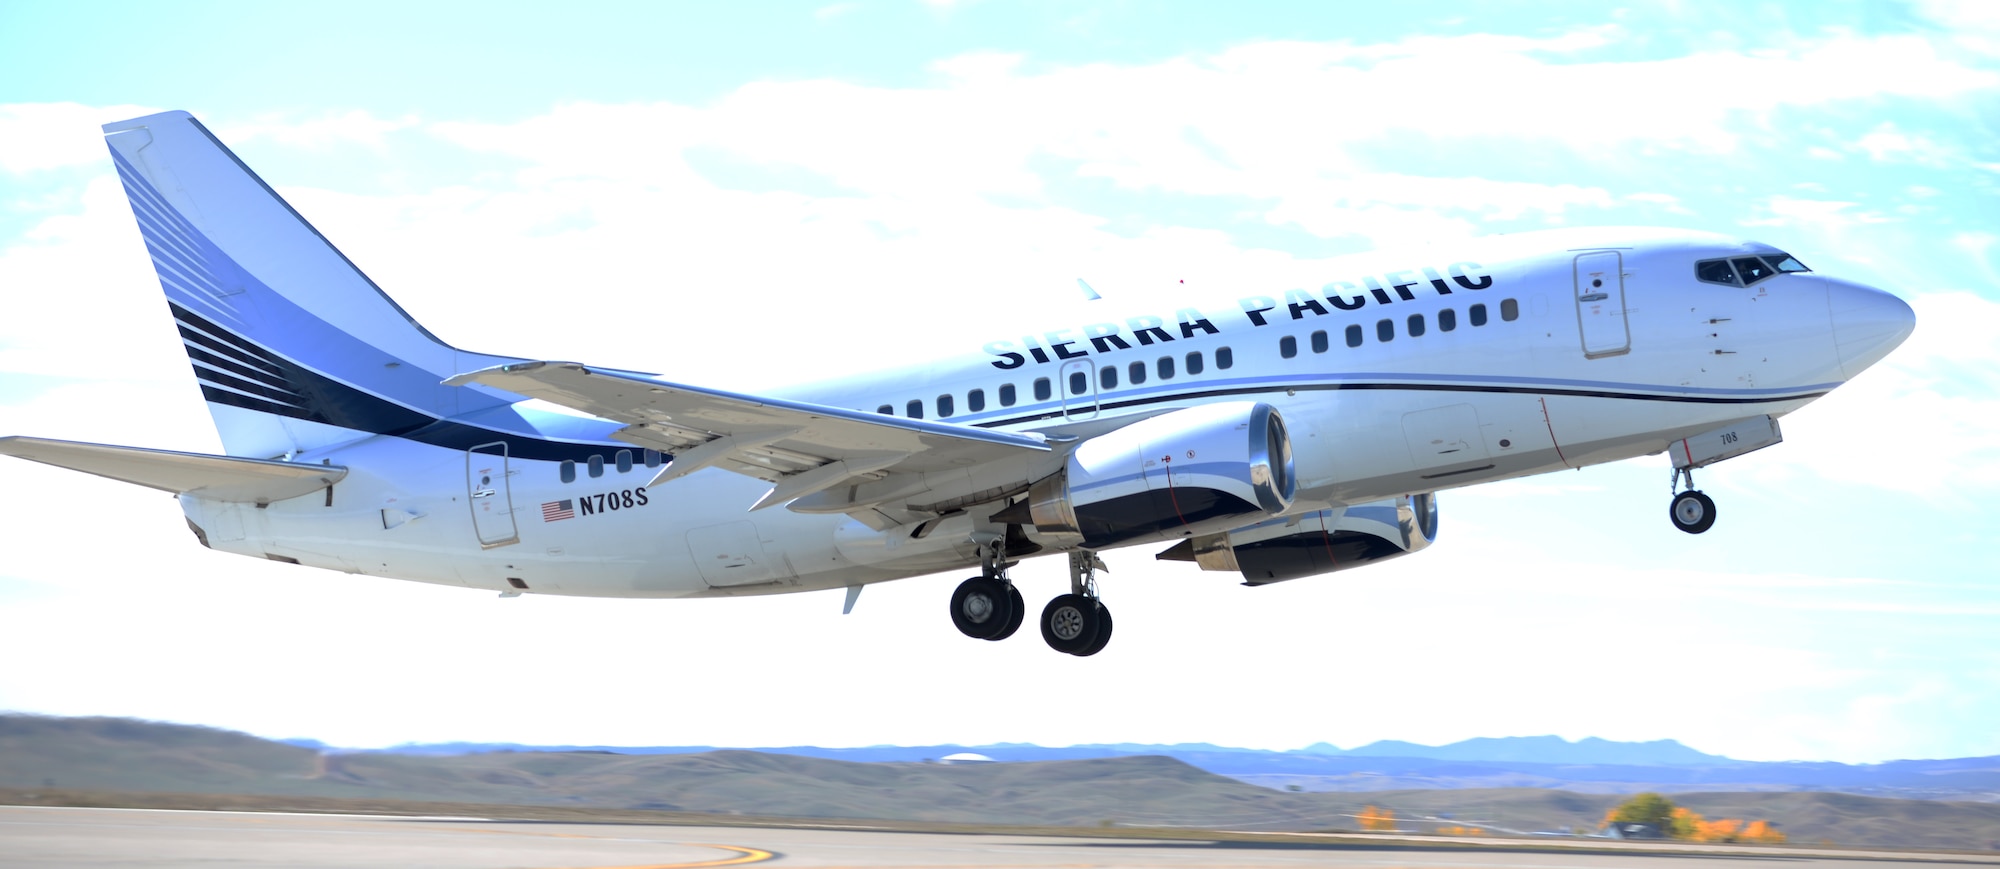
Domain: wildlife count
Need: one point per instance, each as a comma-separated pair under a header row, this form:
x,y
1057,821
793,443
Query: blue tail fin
x,y
293,346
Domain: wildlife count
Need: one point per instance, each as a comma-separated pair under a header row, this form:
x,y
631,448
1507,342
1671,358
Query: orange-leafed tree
x,y
1761,832
1374,819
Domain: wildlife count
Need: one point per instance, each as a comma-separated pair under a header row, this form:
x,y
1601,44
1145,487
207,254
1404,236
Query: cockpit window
x,y
1787,263
1743,271
1716,271
1752,269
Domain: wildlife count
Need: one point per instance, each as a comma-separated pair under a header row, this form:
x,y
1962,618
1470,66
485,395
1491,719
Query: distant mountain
x,y
1545,749
1512,749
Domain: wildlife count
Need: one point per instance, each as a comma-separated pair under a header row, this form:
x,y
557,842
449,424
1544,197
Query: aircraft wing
x,y
803,448
220,478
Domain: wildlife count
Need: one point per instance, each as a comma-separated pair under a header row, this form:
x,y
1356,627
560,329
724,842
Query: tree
x,y
1377,819
1676,822
1648,808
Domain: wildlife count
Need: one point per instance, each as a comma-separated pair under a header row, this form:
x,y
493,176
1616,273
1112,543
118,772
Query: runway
x,y
46,838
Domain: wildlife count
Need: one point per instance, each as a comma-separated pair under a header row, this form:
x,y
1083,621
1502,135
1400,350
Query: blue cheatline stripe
x,y
1044,411
288,389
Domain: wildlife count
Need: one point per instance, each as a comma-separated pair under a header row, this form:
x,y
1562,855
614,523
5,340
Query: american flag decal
x,y
554,510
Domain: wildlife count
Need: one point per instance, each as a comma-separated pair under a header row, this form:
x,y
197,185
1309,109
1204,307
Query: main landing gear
x,y
1078,623
1691,511
989,607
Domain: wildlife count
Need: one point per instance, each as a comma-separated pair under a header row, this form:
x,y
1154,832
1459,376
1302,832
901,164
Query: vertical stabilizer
x,y
293,346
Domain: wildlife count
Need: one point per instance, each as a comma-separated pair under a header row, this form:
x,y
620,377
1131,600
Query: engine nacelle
x,y
1277,550
1200,470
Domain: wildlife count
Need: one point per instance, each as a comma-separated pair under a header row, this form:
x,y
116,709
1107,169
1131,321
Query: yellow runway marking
x,y
744,856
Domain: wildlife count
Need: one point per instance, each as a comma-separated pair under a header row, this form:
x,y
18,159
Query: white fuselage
x,y
1523,366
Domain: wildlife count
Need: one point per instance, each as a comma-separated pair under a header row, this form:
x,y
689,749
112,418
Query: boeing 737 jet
x,y
1279,435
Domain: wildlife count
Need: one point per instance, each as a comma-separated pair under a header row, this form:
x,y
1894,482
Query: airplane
x,y
1275,435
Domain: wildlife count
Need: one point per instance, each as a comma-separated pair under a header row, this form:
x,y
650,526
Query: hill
x,y
1588,765
121,755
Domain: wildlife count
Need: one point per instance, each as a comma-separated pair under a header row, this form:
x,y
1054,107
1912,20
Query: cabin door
x,y
492,496
1600,304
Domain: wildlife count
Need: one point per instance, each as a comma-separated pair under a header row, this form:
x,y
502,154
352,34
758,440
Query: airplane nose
x,y
1867,324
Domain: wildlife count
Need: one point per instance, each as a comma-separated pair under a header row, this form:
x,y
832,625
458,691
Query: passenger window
x,y
596,466
624,461
915,409
1136,373
568,471
1107,377
1166,367
1288,347
887,410
1194,363
1042,391
1477,314
652,458
945,405
1385,330
1715,271
1079,383
1319,341
1006,395
1510,310
1224,358
1447,320
1416,325
975,401
1354,336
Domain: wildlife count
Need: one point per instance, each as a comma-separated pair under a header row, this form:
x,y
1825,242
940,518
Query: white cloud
x,y
1829,214
1887,143
834,10
41,136
317,133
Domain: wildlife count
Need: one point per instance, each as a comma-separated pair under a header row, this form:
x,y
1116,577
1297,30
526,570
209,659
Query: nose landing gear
x,y
1691,511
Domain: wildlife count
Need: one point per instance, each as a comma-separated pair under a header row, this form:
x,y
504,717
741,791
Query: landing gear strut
x,y
988,606
1078,623
1691,511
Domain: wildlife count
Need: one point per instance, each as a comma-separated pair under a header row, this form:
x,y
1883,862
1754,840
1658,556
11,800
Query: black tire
x,y
1103,632
979,608
1070,623
1019,614
1692,512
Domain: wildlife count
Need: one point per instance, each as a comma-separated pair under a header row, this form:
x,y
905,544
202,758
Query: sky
x,y
746,196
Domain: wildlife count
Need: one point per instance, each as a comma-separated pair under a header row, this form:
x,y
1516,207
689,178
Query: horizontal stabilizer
x,y
220,478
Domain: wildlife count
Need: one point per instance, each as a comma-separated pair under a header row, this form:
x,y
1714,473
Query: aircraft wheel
x,y
1070,623
1692,512
1019,608
1103,632
980,608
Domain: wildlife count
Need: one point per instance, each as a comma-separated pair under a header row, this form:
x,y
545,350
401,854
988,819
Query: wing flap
x,y
800,447
220,478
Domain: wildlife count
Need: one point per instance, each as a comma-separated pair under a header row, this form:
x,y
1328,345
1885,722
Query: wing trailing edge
x,y
218,478
803,449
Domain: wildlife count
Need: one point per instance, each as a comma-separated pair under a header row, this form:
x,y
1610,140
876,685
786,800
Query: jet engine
x,y
1200,470
1291,547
